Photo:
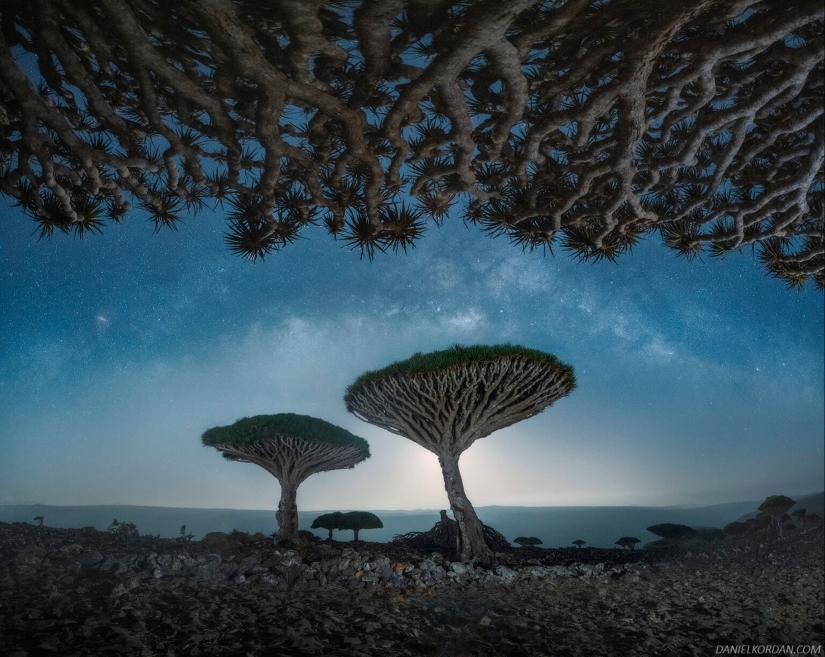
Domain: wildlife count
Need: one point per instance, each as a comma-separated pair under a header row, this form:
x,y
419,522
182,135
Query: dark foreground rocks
x,y
83,592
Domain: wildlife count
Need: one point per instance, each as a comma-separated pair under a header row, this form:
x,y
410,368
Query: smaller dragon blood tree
x,y
527,541
446,400
628,542
358,520
328,521
291,448
776,506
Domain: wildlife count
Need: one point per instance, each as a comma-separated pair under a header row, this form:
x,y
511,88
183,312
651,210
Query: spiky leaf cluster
x,y
587,125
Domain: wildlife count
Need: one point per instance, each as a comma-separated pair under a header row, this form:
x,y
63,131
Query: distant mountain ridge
x,y
599,526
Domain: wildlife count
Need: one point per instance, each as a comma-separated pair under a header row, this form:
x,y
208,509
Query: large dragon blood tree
x,y
446,400
290,447
578,124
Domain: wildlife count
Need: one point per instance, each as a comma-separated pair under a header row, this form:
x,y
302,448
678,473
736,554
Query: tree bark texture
x,y
471,533
287,515
582,124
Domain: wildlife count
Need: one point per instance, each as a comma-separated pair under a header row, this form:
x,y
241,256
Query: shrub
x,y
671,530
125,530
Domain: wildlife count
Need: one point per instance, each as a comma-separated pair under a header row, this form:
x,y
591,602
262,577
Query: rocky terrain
x,y
70,592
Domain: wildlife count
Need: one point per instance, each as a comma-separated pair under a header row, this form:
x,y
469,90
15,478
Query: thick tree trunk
x,y
355,531
470,531
330,534
287,515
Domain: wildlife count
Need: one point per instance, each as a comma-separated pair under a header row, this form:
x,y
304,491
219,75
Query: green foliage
x,y
671,530
457,356
249,430
628,542
527,541
579,543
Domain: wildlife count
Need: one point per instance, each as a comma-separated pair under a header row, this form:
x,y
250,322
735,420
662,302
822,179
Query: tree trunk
x,y
330,534
470,531
287,515
355,531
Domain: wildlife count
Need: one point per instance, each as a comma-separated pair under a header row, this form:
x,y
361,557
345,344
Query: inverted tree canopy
x,y
575,123
249,430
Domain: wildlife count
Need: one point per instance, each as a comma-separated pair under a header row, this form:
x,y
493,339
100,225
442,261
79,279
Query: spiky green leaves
x,y
249,430
457,356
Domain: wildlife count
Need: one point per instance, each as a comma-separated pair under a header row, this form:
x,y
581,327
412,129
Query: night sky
x,y
698,382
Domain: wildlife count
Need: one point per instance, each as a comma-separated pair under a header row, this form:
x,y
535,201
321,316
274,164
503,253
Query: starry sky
x,y
699,383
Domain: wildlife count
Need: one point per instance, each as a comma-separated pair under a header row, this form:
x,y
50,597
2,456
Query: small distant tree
x,y
358,520
527,541
628,542
184,535
578,543
777,506
328,521
290,447
671,530
40,520
799,514
125,530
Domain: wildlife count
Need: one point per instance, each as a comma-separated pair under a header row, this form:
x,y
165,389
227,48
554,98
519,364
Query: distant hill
x,y
600,526
814,503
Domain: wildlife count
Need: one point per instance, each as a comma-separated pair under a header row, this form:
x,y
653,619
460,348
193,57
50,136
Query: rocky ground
x,y
82,592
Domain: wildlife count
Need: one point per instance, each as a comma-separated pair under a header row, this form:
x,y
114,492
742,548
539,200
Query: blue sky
x,y
698,382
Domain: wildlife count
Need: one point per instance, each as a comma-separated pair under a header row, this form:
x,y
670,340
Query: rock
x,y
507,575
216,541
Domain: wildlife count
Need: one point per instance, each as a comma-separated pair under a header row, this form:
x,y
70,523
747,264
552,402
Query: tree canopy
x,y
249,430
456,356
358,520
572,123
328,521
527,541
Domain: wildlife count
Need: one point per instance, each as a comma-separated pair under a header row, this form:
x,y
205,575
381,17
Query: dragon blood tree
x,y
290,447
446,400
